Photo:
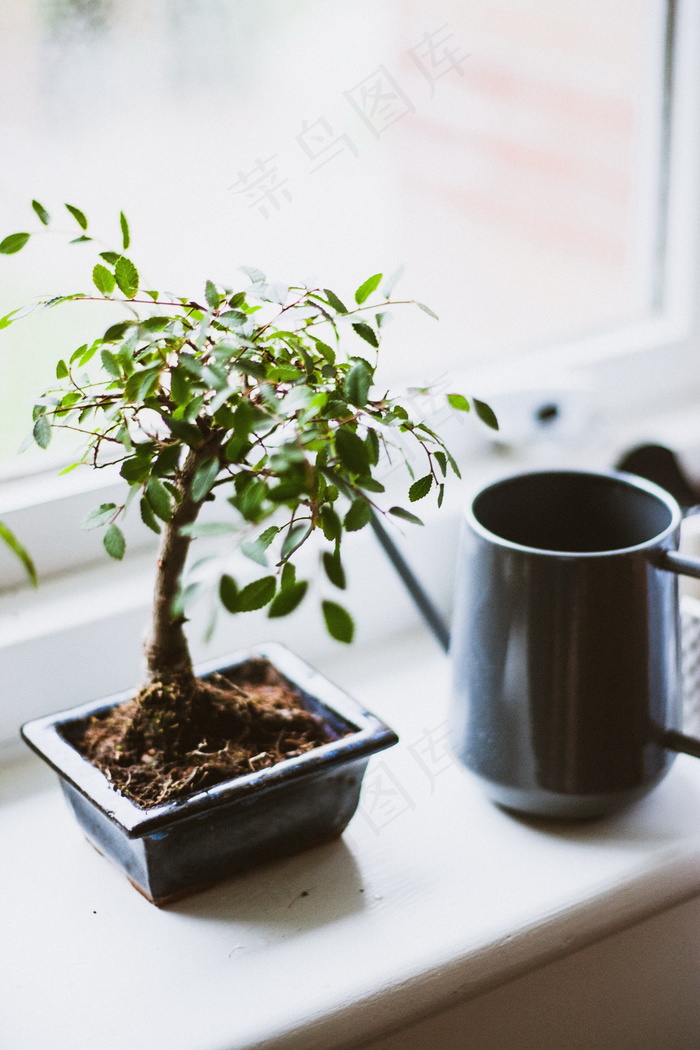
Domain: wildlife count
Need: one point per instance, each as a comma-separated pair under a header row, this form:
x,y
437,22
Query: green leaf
x,y
183,599
419,489
330,523
405,515
366,289
41,211
325,351
257,594
334,569
114,542
441,495
358,516
208,528
204,478
289,575
338,622
265,538
442,460
288,599
103,279
126,237
11,541
110,257
78,216
42,431
6,321
13,243
228,593
116,331
179,386
159,499
486,414
256,276
187,432
357,384
352,451
135,470
127,277
372,443
392,281
453,464
366,333
147,515
335,302
296,535
212,295
427,310
459,402
254,550
370,485
61,369
98,516
110,363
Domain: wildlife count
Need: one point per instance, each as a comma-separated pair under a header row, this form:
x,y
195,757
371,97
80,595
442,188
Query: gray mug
x,y
567,696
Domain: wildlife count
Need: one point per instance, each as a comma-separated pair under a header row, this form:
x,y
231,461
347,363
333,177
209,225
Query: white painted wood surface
x,y
432,899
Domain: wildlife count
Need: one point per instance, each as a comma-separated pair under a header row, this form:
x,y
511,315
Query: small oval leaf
x,y
103,279
78,215
42,431
334,569
459,402
41,211
114,542
419,489
339,623
126,236
486,414
127,277
204,478
358,516
405,515
366,289
228,593
288,599
159,499
13,243
257,594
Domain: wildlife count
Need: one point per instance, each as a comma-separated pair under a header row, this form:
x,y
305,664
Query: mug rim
x,y
630,480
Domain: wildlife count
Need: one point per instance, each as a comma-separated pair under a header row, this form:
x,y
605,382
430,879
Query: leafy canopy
x,y
244,391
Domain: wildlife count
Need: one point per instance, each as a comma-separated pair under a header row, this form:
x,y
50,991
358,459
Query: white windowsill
x,y
428,901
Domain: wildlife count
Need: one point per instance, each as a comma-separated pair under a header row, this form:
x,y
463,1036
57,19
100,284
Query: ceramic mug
x,y
566,641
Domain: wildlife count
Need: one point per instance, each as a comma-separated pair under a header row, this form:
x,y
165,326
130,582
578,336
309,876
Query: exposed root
x,y
184,734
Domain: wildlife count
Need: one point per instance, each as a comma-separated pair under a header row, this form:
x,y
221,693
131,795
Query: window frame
x,y
630,368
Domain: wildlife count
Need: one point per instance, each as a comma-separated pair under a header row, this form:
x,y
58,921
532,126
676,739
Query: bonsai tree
x,y
242,394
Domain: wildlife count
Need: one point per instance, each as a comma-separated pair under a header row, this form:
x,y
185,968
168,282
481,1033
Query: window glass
x,y
506,151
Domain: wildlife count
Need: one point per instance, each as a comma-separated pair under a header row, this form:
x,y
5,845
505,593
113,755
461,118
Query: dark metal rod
x,y
422,600
675,741
679,563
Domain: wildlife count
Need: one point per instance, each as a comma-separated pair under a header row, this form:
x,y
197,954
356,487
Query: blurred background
x,y
510,155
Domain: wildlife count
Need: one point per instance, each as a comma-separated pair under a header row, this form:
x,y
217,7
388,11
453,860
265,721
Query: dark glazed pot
x,y
177,848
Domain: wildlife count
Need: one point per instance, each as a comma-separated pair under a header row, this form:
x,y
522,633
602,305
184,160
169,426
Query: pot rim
x,y
620,477
44,737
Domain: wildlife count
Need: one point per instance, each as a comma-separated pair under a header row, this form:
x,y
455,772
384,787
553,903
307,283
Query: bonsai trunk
x,y
167,652
173,699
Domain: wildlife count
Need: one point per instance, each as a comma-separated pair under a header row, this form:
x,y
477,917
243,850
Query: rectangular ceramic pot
x,y
176,848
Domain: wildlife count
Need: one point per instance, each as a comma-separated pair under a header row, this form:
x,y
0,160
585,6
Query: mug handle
x,y
682,565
